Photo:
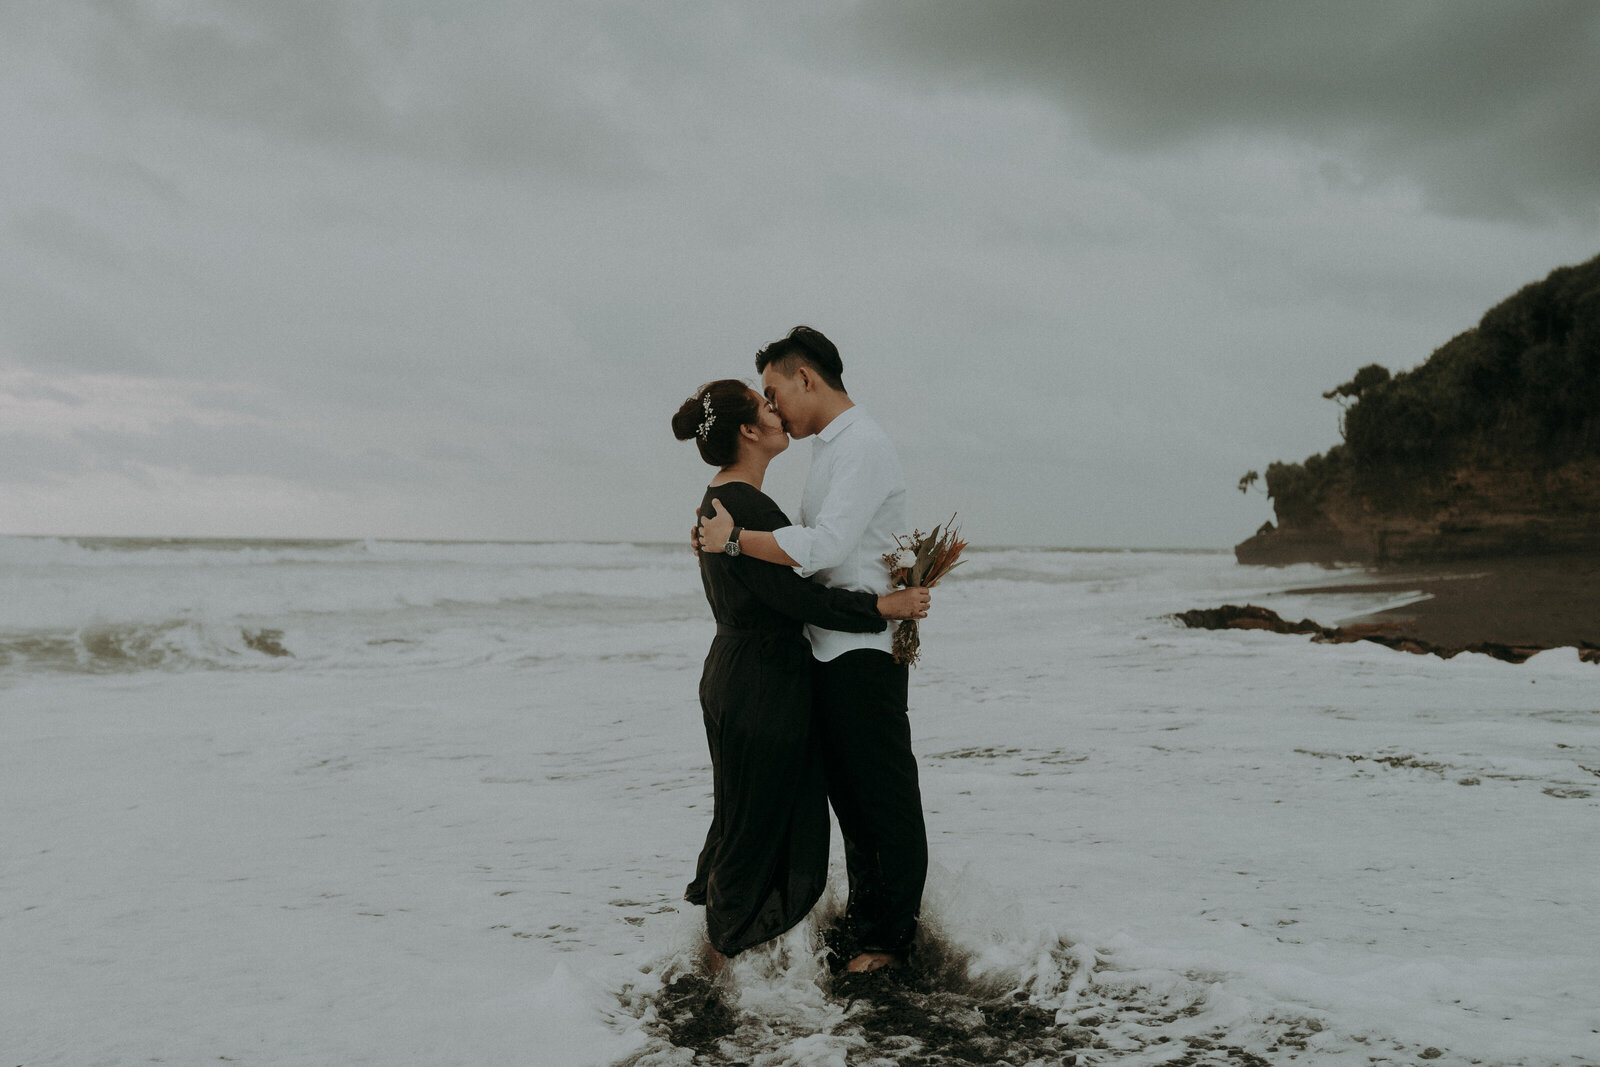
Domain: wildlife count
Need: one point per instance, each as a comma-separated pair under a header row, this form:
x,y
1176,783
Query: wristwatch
x,y
731,545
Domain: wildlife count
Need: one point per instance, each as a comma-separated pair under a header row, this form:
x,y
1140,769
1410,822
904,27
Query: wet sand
x,y
1542,601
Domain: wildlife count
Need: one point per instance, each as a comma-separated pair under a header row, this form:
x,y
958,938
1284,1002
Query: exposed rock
x,y
1251,617
1489,448
1472,513
1244,617
1273,547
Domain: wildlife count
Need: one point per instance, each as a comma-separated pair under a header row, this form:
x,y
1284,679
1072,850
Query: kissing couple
x,y
804,704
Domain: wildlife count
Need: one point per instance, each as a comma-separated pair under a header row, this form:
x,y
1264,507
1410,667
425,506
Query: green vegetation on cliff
x,y
1520,391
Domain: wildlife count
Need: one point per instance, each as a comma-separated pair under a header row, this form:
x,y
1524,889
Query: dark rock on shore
x,y
1272,547
1244,617
1251,617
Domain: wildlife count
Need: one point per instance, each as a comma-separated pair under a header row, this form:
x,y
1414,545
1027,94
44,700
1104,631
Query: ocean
x,y
313,802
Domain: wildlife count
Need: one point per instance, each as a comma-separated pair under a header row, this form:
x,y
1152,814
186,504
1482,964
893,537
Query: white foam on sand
x,y
1242,843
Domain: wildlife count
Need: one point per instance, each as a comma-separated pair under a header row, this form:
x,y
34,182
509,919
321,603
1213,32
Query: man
x,y
852,508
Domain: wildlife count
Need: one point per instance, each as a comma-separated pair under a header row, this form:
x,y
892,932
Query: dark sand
x,y
1536,602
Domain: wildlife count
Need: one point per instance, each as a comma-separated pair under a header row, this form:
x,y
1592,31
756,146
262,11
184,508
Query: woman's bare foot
x,y
867,962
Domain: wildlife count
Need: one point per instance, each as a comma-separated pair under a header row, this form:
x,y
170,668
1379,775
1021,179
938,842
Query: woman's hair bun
x,y
686,423
712,417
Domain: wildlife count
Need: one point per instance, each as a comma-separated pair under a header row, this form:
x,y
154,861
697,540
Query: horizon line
x,y
193,539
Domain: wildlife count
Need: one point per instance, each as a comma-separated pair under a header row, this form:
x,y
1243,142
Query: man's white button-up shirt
x,y
853,506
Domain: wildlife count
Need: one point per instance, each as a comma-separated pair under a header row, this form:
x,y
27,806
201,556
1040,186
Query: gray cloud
x,y
364,77
55,325
217,452
1488,107
445,267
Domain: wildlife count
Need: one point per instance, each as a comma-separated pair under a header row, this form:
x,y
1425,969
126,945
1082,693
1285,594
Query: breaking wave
x,y
116,648
106,605
985,986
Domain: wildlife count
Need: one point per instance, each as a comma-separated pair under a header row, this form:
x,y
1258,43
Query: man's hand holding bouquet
x,y
921,560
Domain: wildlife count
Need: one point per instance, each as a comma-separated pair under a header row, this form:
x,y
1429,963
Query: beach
x,y
1531,601
453,822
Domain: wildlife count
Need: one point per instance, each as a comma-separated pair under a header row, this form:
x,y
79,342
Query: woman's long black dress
x,y
765,861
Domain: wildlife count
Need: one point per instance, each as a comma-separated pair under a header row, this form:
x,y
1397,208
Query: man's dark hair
x,y
807,346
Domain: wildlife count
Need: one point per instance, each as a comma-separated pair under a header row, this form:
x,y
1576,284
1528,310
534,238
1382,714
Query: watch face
x,y
731,548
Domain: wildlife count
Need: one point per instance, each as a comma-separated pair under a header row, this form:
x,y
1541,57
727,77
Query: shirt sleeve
x,y
782,590
861,480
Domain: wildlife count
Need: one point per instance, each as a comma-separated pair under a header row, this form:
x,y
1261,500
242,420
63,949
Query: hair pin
x,y
704,429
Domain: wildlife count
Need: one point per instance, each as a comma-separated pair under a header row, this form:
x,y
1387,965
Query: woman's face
x,y
773,437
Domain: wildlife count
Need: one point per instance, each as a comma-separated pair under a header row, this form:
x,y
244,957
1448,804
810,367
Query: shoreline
x,y
1531,601
1510,607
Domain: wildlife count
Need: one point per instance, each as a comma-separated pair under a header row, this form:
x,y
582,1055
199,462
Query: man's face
x,y
788,398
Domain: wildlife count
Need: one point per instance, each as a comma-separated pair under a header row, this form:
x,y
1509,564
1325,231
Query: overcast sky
x,y
445,268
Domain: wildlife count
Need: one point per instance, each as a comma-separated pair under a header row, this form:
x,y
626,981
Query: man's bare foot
x,y
867,962
715,960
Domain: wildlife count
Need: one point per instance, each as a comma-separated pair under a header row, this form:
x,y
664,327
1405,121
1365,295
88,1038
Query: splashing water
x,y
984,986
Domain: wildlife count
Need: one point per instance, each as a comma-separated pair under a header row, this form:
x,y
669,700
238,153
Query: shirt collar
x,y
840,421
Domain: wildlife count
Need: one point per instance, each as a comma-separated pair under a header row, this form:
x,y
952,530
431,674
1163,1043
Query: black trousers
x,y
860,701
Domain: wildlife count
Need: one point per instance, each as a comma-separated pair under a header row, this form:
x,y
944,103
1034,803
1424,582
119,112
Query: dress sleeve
x,y
782,590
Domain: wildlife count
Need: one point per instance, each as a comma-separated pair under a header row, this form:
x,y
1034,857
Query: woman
x,y
765,861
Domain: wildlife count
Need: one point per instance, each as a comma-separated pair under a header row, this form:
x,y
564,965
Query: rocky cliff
x,y
1470,512
1489,448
